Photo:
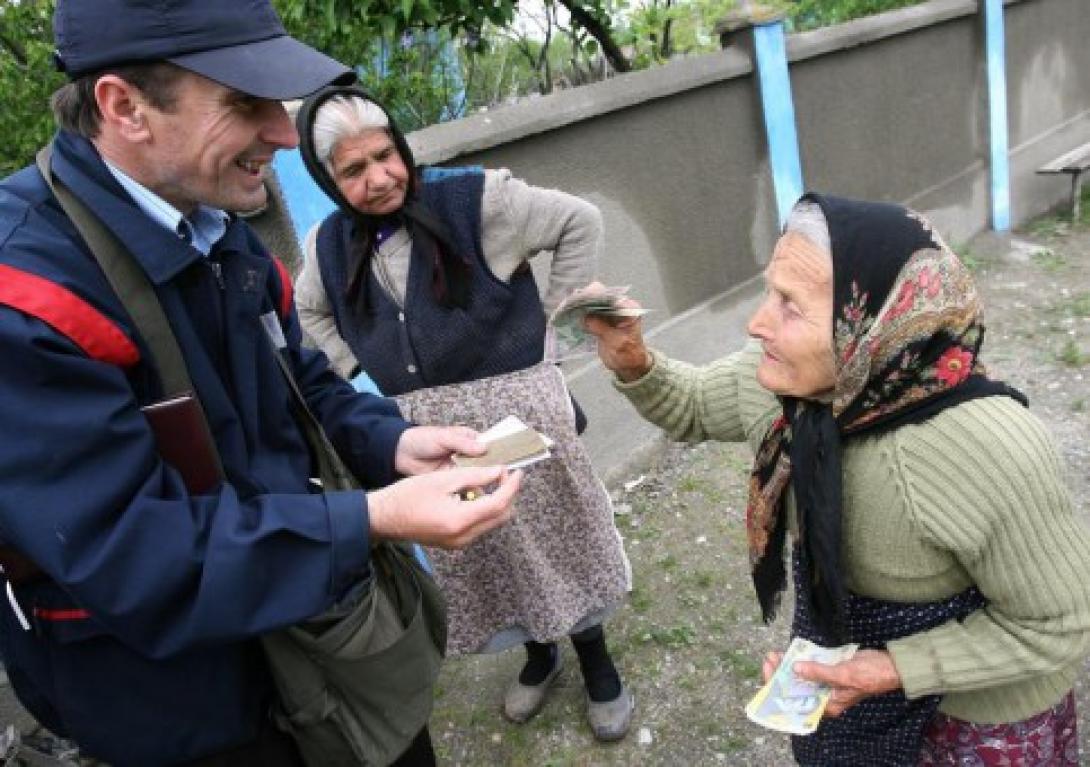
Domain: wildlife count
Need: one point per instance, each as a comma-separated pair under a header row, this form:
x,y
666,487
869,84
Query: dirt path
x,y
689,641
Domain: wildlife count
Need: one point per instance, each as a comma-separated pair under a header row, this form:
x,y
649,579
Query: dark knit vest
x,y
501,330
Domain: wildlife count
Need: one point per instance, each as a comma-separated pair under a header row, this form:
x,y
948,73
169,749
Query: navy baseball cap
x,y
239,43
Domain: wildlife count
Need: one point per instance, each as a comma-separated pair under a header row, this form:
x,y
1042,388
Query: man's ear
x,y
123,108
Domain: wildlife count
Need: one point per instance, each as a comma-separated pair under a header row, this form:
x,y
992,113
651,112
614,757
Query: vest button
x,y
401,316
411,368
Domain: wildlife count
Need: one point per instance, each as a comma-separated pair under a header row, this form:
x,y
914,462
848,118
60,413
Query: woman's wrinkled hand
x,y
620,342
867,673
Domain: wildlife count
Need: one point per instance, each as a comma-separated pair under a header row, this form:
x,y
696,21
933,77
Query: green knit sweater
x,y
974,495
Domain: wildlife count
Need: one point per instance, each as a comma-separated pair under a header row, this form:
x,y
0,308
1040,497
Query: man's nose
x,y
278,129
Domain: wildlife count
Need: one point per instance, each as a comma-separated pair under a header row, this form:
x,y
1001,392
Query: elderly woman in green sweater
x,y
925,504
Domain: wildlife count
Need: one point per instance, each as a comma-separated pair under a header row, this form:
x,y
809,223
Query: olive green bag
x,y
355,683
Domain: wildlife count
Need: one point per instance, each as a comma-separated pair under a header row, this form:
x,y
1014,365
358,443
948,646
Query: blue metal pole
x,y
307,204
997,105
779,115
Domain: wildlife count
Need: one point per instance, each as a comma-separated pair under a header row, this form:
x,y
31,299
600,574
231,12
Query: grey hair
x,y
807,219
344,117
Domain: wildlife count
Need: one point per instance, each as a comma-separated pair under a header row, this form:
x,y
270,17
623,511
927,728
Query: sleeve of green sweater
x,y
720,401
984,482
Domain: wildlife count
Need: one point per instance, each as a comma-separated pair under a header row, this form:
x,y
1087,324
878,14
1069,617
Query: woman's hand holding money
x,y
869,672
620,342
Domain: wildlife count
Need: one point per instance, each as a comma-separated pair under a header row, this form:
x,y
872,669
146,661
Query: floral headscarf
x,y
907,336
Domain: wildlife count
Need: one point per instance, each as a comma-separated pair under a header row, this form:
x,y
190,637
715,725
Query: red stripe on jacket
x,y
286,289
99,337
73,614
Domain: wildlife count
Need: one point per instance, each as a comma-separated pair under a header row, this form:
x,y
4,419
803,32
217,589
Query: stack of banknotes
x,y
510,443
789,704
568,338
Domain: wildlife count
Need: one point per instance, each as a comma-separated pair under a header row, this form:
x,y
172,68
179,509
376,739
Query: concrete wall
x,y
890,107
1048,77
900,117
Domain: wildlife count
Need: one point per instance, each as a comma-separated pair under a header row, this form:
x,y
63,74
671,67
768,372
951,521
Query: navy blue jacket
x,y
143,643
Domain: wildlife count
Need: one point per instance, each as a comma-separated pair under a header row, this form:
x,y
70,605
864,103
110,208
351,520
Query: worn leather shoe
x,y
522,701
610,720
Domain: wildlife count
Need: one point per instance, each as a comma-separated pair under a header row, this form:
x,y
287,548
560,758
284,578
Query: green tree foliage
x,y
810,14
660,29
420,80
347,29
402,50
27,78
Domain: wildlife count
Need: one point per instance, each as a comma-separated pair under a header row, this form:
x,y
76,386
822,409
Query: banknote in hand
x,y
567,337
792,705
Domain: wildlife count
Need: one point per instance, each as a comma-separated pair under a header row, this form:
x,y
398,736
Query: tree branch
x,y
17,51
599,32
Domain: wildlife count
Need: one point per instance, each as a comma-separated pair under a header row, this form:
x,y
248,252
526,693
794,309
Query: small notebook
x,y
181,434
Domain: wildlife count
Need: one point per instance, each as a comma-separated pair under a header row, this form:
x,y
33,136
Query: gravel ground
x,y
689,641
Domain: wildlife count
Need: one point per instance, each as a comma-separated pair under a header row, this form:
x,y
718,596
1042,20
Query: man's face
x,y
370,173
213,145
795,321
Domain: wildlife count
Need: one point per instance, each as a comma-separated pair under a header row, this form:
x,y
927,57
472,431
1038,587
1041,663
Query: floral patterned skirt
x,y
1048,739
558,565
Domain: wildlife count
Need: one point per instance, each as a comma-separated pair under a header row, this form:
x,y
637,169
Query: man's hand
x,y
429,508
869,672
620,342
426,448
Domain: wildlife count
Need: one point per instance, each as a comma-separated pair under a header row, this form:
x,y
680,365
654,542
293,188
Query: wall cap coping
x,y
506,124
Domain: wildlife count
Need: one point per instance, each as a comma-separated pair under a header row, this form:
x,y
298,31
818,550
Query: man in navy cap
x,y
134,600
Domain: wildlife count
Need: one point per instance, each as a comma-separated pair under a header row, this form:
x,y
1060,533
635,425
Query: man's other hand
x,y
430,509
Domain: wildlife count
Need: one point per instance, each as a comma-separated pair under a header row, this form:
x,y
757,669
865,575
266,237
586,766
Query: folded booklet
x,y
181,434
511,443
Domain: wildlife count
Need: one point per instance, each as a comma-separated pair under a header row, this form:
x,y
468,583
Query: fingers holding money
x,y
571,323
619,332
867,673
771,663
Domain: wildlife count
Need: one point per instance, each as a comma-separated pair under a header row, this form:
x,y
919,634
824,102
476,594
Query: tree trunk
x,y
600,33
17,51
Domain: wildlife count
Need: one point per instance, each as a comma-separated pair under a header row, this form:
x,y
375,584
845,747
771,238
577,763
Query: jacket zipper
x,y
224,362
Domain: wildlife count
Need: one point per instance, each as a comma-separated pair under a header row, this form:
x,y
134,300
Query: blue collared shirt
x,y
203,229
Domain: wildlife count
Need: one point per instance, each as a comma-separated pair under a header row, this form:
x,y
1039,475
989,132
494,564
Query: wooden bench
x,y
1074,163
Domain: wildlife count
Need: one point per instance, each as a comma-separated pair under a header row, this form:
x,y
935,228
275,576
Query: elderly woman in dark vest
x,y
926,505
421,279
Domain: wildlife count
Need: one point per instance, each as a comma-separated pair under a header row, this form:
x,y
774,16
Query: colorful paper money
x,y
792,705
511,443
568,338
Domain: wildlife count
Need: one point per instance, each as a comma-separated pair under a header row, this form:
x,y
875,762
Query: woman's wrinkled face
x,y
370,173
795,321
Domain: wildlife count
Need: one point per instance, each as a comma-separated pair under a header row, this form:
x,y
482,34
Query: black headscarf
x,y
450,271
906,341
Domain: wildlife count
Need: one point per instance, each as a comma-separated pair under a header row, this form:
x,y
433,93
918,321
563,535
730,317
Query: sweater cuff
x,y
649,383
917,664
351,536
